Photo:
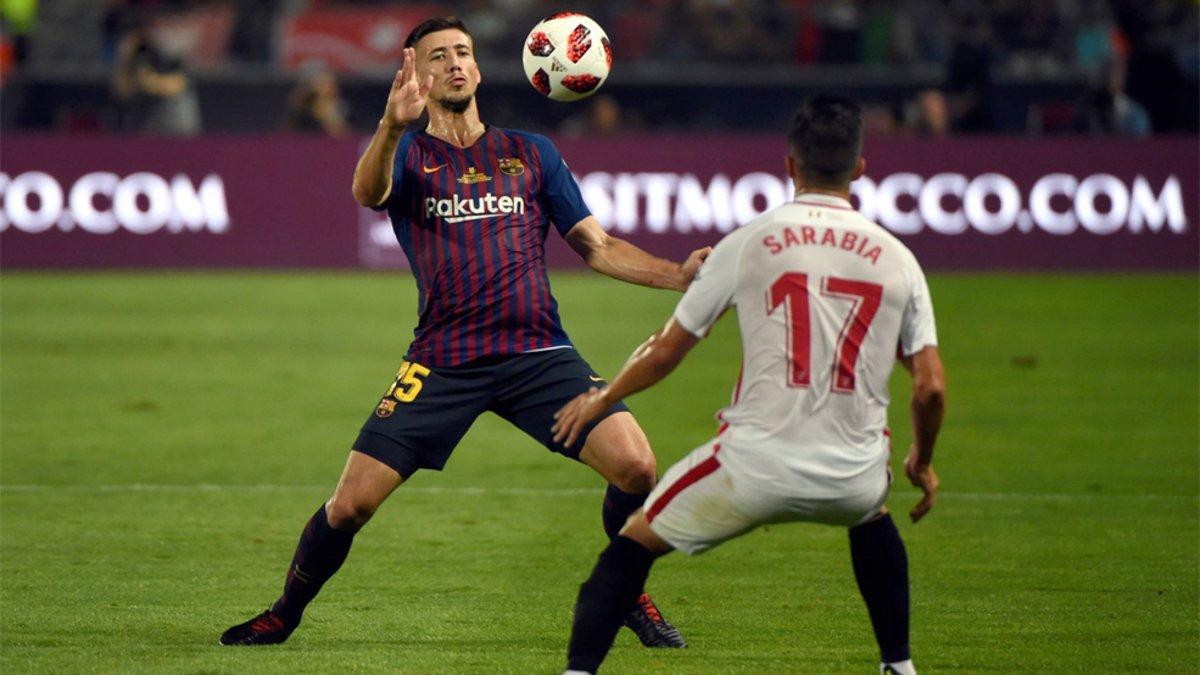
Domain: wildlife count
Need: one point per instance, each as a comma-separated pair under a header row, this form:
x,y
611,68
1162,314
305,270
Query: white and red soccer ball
x,y
567,56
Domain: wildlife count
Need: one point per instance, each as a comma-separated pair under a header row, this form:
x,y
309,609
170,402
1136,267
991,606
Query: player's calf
x,y
609,594
881,569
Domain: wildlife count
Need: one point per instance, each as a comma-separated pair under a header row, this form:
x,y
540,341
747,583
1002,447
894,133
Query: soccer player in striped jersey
x,y
827,302
471,206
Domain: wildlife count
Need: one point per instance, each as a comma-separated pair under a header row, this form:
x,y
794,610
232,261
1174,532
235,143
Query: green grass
x,y
165,436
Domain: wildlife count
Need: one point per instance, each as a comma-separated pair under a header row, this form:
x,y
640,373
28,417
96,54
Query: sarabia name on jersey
x,y
473,224
859,244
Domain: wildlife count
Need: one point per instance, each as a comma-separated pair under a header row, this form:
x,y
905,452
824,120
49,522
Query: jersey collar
x,y
487,129
821,199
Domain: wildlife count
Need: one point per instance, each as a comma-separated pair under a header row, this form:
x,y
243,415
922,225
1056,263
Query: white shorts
x,y
701,502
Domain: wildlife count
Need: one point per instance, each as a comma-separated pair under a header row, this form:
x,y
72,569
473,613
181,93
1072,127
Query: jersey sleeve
x,y
399,184
711,292
560,196
917,327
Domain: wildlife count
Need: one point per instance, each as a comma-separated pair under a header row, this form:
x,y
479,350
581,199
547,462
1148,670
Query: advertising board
x,y
284,201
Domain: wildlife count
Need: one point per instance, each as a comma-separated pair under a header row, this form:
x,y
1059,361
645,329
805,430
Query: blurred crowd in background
x,y
1127,67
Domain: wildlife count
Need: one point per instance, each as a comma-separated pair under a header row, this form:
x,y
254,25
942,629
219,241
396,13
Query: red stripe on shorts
x,y
691,476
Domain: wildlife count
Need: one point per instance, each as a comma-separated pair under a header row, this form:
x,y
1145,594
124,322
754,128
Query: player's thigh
x,y
423,415
861,501
618,449
532,387
698,504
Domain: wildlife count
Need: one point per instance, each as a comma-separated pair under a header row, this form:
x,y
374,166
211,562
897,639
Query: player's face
x,y
449,56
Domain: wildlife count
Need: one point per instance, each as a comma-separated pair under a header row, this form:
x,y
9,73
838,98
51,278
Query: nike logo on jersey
x,y
432,169
593,378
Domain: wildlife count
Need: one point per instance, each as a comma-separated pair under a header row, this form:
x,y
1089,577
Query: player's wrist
x,y
391,126
681,279
604,396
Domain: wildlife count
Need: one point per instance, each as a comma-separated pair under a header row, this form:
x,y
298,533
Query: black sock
x,y
604,600
618,506
320,553
881,568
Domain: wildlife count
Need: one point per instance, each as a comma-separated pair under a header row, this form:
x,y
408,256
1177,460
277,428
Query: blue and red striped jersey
x,y
473,223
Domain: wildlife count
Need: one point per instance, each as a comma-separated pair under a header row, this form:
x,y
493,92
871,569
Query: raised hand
x,y
406,100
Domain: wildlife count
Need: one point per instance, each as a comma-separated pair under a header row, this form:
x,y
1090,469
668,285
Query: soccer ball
x,y
567,56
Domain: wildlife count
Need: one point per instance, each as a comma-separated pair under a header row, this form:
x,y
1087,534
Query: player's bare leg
x,y
611,591
617,449
364,485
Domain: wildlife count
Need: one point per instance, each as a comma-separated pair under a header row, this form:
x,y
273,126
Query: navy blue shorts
x,y
427,410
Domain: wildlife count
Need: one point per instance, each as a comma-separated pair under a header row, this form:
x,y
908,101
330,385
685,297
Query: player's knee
x,y
638,474
347,513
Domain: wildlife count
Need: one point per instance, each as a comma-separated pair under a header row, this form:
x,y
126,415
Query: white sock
x,y
576,672
898,667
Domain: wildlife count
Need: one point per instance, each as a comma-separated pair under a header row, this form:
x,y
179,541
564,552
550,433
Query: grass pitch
x,y
165,437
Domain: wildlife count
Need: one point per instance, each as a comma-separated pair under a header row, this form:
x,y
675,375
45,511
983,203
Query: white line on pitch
x,y
532,491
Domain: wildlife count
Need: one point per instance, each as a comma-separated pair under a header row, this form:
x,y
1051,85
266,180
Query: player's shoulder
x,y
409,141
529,137
904,254
880,234
539,150
732,245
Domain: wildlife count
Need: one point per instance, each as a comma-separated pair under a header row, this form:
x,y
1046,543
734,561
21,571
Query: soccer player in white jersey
x,y
827,302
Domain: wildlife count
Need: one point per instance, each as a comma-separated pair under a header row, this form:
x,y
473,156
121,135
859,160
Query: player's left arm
x,y
563,202
619,259
649,364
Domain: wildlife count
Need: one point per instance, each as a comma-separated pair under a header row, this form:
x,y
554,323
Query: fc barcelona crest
x,y
471,177
511,166
385,408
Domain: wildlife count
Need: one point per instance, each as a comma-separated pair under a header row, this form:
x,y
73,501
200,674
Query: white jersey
x,y
825,299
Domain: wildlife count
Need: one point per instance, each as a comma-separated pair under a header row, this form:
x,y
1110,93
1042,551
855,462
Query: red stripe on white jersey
x,y
688,478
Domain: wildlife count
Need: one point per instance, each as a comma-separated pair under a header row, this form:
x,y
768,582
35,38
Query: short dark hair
x,y
434,25
826,137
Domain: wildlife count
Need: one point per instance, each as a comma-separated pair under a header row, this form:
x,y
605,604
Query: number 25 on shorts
x,y
408,382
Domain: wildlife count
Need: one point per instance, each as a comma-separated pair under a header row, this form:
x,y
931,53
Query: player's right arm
x,y
406,101
652,361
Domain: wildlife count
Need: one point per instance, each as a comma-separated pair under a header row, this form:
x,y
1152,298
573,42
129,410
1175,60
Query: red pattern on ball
x,y
539,44
578,43
607,52
581,84
541,82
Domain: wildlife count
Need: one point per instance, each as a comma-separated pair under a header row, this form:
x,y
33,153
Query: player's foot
x,y
650,626
264,629
898,668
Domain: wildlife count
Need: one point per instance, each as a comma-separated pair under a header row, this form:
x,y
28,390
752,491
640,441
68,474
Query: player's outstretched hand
x,y
570,420
406,100
692,265
923,477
